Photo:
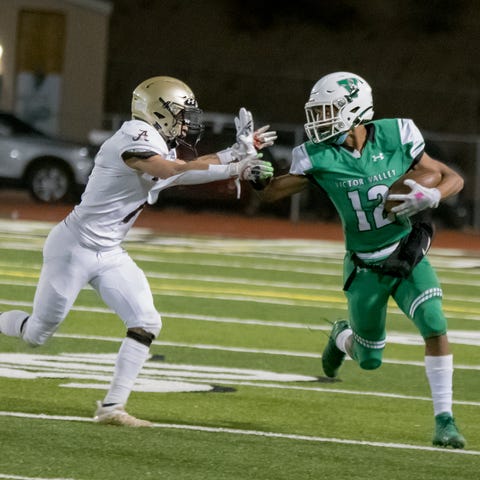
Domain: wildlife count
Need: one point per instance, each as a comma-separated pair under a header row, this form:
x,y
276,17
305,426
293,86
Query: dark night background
x,y
421,57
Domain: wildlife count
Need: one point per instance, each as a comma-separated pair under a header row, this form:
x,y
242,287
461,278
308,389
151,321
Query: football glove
x,y
251,168
417,200
248,140
263,137
245,141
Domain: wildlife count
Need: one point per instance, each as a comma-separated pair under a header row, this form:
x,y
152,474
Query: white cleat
x,y
116,415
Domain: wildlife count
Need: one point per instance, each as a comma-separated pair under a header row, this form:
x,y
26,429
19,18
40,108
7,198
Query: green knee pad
x,y
367,358
430,319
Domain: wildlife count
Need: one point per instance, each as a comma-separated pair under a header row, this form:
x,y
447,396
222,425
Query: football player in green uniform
x,y
355,160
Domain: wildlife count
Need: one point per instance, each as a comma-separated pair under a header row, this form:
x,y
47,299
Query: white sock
x,y
11,322
341,339
440,377
131,357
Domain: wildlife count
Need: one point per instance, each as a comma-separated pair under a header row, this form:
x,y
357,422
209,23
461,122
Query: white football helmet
x,y
169,105
337,103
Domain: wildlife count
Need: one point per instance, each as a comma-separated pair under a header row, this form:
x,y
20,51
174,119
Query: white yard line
x,y
261,351
462,337
233,431
19,477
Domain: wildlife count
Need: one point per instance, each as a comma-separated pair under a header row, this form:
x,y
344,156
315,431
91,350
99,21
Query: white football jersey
x,y
115,193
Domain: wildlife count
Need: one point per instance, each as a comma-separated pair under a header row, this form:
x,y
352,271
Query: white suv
x,y
52,169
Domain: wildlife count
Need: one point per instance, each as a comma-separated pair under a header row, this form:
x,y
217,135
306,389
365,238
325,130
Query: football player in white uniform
x,y
131,168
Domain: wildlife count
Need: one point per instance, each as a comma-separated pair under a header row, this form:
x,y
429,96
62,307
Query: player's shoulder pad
x,y
138,135
300,160
138,129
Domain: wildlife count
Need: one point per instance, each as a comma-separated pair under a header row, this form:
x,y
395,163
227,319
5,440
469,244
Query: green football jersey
x,y
358,183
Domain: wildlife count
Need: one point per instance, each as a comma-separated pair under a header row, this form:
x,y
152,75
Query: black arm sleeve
x,y
145,154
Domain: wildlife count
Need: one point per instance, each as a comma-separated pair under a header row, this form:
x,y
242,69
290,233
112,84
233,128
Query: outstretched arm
x,y
159,167
283,186
168,173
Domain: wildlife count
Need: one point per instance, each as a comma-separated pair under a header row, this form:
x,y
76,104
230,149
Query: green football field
x,y
234,385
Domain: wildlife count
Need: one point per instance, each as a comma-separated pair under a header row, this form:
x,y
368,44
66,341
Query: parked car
x,y
51,169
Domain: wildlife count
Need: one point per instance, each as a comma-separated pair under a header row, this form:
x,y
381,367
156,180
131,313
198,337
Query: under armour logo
x,y
142,134
380,156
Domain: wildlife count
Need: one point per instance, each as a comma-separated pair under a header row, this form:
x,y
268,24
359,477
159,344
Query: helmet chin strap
x,y
339,139
191,146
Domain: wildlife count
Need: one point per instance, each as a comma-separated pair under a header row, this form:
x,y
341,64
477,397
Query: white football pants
x,y
68,267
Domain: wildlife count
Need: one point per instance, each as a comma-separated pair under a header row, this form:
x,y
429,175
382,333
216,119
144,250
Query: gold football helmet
x,y
169,105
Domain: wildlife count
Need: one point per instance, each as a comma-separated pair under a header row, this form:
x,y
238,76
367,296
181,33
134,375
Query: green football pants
x,y
419,296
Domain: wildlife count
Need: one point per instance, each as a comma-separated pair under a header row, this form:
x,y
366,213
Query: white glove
x,y
263,137
417,200
251,168
248,140
244,145
245,141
